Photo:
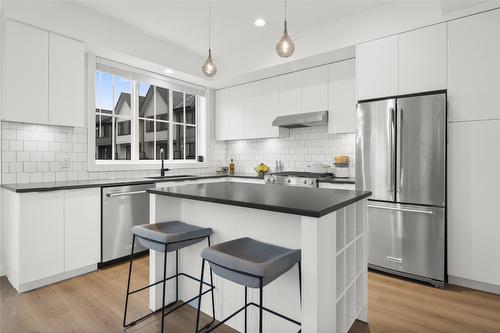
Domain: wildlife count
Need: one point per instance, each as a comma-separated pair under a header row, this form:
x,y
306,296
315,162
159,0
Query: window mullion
x,y
113,119
154,123
170,125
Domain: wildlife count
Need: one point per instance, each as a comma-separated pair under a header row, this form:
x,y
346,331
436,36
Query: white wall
x,y
2,268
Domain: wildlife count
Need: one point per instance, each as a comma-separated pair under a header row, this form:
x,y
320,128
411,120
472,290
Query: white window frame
x,y
157,80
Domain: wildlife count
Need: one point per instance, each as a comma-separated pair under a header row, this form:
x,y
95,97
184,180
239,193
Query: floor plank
x,y
94,303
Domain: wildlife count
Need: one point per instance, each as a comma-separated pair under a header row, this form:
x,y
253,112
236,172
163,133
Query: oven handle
x,y
119,194
429,212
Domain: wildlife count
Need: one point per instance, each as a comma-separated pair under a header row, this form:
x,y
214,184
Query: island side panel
x,y
319,273
362,209
162,209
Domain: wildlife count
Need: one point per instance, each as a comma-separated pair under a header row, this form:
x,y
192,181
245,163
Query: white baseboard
x,y
23,287
483,286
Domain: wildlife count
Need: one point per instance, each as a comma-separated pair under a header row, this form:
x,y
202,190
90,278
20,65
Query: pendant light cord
x,y
209,25
285,10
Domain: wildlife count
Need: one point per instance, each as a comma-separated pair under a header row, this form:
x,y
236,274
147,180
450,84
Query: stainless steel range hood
x,y
310,119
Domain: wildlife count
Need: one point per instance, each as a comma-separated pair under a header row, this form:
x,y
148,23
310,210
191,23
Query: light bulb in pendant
x,y
209,68
285,47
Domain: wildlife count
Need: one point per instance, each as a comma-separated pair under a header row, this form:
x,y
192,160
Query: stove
x,y
295,178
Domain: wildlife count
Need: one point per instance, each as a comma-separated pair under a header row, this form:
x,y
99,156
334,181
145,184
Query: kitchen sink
x,y
170,177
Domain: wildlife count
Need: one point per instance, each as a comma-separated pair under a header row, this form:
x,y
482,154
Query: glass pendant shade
x,y
209,68
285,46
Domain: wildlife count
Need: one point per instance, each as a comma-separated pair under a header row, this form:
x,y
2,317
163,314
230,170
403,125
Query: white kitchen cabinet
x,y
342,100
44,77
473,201
270,107
314,89
252,110
66,81
337,186
290,94
474,67
41,235
422,60
377,68
26,73
51,235
82,228
229,113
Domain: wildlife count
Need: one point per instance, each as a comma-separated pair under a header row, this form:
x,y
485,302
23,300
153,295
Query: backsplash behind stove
x,y
304,145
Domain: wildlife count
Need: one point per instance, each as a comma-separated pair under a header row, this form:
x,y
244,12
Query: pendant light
x,y
285,45
209,68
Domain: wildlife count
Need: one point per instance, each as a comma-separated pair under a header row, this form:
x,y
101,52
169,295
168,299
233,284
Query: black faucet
x,y
163,169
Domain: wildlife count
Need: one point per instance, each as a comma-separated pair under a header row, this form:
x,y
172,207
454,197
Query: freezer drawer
x,y
407,238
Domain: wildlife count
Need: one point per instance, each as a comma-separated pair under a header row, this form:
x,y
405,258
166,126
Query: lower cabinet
x,y
51,236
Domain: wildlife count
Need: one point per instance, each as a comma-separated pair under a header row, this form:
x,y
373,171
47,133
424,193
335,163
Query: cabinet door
x,y
473,201
229,113
66,81
26,73
82,228
422,60
315,89
290,93
41,232
474,67
377,68
342,90
270,91
252,107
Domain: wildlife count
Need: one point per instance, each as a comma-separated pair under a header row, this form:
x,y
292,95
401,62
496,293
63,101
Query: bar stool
x,y
252,264
168,237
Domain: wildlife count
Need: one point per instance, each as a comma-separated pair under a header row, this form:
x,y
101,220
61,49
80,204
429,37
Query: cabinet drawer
x,y
407,238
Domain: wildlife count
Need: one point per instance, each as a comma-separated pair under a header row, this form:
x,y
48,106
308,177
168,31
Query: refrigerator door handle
x,y
393,147
429,212
399,165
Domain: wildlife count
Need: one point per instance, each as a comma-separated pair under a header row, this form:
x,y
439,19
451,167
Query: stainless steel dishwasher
x,y
122,208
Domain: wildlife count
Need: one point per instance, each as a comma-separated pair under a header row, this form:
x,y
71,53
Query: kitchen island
x,y
327,225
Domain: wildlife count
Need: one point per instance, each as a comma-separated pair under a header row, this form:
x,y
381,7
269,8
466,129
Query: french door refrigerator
x,y
401,158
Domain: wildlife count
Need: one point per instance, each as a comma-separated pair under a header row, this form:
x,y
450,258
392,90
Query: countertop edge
x,y
279,209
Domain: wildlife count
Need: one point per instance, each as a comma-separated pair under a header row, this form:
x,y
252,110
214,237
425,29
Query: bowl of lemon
x,y
262,169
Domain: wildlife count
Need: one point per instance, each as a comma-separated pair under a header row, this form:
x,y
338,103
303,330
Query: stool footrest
x,y
246,306
169,278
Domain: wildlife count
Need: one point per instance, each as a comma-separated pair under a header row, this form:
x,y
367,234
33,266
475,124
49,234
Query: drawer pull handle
x,y
120,194
394,259
429,212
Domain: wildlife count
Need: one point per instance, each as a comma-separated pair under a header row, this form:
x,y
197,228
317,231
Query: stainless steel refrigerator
x,y
401,158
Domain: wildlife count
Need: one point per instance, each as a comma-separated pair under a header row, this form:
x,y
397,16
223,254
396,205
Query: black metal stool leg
x,y
300,283
128,283
176,275
212,286
260,306
164,289
246,303
199,297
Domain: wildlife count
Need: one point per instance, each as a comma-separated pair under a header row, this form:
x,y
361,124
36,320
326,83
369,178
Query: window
x,y
138,118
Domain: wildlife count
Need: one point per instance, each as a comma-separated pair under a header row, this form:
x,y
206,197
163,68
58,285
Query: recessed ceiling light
x,y
168,71
259,22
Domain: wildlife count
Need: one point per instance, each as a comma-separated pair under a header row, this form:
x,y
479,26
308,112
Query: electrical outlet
x,y
65,162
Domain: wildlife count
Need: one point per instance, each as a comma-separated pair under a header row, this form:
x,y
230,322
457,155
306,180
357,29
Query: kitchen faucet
x,y
163,169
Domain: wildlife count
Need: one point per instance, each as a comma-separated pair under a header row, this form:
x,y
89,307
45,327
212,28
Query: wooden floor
x,y
94,303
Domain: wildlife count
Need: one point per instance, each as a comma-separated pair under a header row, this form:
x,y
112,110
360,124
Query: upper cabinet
x,y
474,67
247,111
411,62
377,68
422,60
26,73
314,89
342,97
290,93
66,81
45,75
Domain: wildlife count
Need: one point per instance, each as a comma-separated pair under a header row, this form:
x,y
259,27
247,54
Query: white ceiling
x,y
238,46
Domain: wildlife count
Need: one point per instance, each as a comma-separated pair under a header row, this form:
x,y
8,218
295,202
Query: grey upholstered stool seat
x,y
174,233
246,261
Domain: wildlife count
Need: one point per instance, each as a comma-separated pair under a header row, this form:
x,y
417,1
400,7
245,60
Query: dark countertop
x,y
302,201
76,184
